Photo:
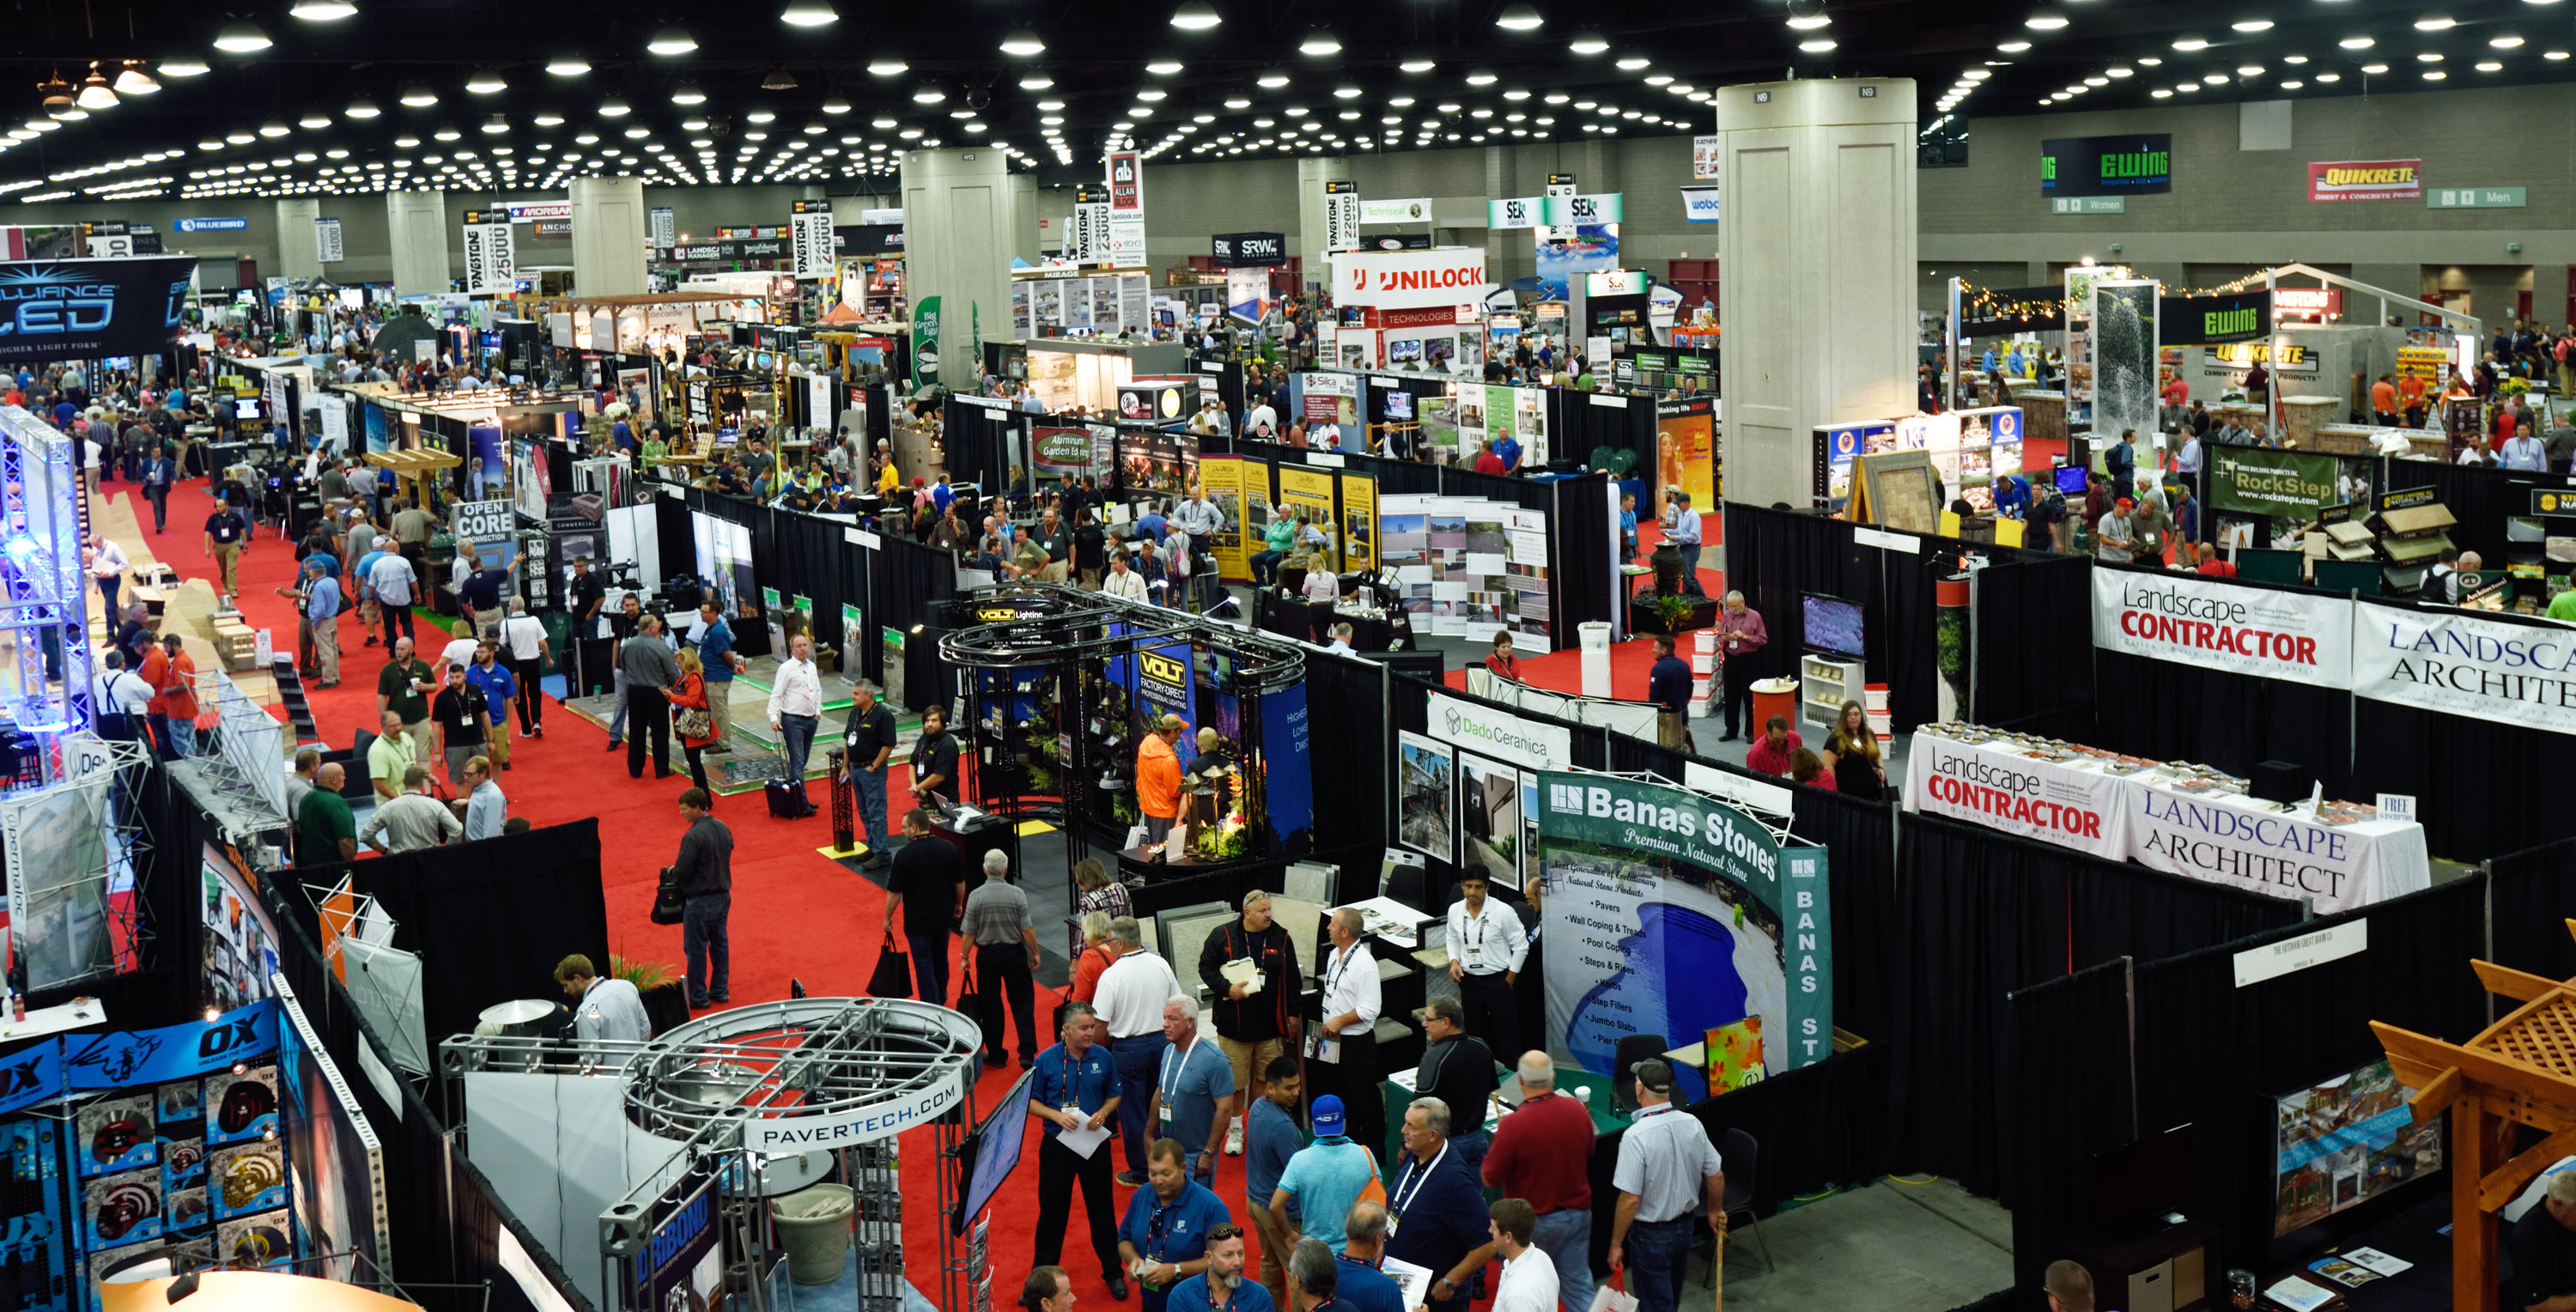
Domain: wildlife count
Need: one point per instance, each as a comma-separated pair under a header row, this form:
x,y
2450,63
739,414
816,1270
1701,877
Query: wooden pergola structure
x,y
2519,1071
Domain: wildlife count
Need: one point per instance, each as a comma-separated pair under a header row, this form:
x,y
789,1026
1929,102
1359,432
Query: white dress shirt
x,y
1132,993
1130,585
611,1010
1529,1283
798,691
1489,942
526,635
108,561
1350,985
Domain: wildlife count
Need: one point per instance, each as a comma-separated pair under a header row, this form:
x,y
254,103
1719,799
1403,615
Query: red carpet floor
x,y
796,913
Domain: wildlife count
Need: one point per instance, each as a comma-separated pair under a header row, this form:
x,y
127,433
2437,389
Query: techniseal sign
x,y
1674,914
2305,638
1501,734
2366,179
2017,794
2446,661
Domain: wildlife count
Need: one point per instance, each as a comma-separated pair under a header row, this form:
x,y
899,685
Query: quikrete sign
x,y
2366,179
2106,166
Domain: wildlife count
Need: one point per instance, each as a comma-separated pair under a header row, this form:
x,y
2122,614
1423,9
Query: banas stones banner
x,y
2302,637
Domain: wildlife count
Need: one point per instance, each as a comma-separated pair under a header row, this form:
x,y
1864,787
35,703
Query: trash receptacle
x,y
815,1223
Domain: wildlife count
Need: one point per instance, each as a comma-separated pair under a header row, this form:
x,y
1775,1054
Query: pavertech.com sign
x,y
2006,790
2244,630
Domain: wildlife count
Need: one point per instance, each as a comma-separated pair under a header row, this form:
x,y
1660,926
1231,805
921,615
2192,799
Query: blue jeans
x,y
183,739
1137,1059
1265,566
702,936
1471,1147
1658,1257
871,788
107,586
1690,571
1566,1237
929,965
798,733
617,718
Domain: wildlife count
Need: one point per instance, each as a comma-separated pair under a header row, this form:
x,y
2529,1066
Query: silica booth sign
x,y
2106,166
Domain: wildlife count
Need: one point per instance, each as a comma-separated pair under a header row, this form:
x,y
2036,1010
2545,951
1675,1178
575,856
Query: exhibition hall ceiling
x,y
287,97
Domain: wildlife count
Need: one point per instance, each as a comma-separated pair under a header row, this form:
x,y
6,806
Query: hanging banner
x,y
1699,205
1560,189
1513,212
2366,179
327,247
2303,637
1223,476
1126,235
812,224
1248,250
2214,320
1341,216
1571,211
1060,452
925,342
2106,166
1685,454
664,225
2000,787
2448,661
1673,914
1310,491
92,309
1704,156
491,262
175,1052
2249,481
1359,522
1499,733
1415,210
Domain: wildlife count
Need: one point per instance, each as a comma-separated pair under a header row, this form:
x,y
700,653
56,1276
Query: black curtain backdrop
x,y
2479,497
810,556
1581,533
2478,784
2534,893
490,919
1350,748
971,443
2070,1080
2217,1056
2171,711
1585,420
2034,641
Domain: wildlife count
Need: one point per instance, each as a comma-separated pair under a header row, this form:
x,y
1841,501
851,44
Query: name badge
x,y
1167,1113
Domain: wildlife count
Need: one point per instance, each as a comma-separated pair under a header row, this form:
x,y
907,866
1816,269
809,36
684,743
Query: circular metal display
x,y
808,1073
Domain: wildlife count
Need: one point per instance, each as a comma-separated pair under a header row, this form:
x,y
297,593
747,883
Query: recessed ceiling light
x,y
241,37
2252,25
1816,45
2357,42
2161,93
2190,43
2434,23
809,13
2330,77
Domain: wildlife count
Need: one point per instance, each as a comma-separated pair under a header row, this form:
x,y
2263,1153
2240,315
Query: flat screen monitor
x,y
246,407
1832,625
994,1151
1399,405
2137,1183
2072,480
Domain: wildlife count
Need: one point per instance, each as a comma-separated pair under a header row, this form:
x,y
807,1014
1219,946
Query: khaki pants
x,y
1671,728
423,748
326,650
1274,1274
1055,572
496,740
720,704
227,558
1249,1060
1091,579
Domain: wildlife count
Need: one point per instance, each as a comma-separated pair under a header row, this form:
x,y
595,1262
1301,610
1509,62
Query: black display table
x,y
1155,886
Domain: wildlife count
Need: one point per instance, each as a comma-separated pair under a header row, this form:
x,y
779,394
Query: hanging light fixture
x,y
183,68
418,95
1196,16
241,37
359,108
94,91
57,93
779,79
484,82
672,41
1520,16
133,81
809,13
1022,42
322,11
687,93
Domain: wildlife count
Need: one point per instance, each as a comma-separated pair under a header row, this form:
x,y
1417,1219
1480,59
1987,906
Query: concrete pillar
x,y
416,224
957,225
296,257
1509,252
1024,217
609,236
1819,253
1312,174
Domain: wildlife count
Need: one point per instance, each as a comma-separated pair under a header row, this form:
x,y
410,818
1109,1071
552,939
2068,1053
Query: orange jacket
x,y
1158,778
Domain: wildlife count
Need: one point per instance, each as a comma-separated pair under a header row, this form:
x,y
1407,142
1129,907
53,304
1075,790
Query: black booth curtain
x,y
2168,710
1775,556
2034,644
1581,528
810,556
2481,787
2534,895
1348,749
2072,1101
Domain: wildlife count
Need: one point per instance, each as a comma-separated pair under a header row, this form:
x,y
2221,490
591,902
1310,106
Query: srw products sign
x,y
2366,179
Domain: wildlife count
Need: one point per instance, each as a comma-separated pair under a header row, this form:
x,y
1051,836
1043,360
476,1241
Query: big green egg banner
x,y
1669,913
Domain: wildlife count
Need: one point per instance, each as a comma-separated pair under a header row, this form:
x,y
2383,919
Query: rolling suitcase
x,y
785,800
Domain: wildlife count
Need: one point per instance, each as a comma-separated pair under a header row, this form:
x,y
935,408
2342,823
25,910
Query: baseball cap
x,y
1169,722
2125,503
1328,1115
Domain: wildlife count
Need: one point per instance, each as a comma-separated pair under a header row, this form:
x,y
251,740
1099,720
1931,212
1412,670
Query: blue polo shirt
x,y
1439,1214
715,642
1361,1287
1508,450
1088,1084
330,562
1270,1137
1191,1295
1324,1179
1192,1080
1174,1231
497,686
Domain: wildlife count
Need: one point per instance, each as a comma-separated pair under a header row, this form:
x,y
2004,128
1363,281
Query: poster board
x,y
1311,491
1222,477
1359,522
2344,1141
1897,489
1685,453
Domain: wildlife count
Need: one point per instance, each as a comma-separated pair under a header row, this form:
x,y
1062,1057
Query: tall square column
x,y
416,222
296,256
957,207
608,236
1817,253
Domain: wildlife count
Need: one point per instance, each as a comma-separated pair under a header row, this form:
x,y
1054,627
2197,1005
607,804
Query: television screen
x,y
994,1152
2137,1183
1832,625
246,407
1399,405
2071,480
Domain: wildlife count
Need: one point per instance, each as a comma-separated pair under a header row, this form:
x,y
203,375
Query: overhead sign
x,y
1126,215
2285,484
2302,637
1341,216
1699,204
665,227
1572,211
2106,166
2449,661
2213,320
211,225
491,257
327,248
1248,250
2475,198
1560,187
531,211
2366,179
1513,212
2309,302
1392,280
1500,734
92,309
1415,210
812,222
482,521
2088,204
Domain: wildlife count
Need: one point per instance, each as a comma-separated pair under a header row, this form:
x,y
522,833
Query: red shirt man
x,y
1542,1151
1771,751
1489,463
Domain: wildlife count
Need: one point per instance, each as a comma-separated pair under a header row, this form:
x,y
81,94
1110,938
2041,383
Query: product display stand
x,y
1824,685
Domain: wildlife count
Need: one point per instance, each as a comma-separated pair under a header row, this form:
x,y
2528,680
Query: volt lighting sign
x,y
2106,166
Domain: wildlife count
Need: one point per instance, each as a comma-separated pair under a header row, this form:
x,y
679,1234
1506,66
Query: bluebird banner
x,y
92,309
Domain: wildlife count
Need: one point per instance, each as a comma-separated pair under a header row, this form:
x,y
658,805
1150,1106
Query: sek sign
x,y
1403,280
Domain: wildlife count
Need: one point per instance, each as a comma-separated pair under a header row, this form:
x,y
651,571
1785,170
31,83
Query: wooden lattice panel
x,y
2542,1036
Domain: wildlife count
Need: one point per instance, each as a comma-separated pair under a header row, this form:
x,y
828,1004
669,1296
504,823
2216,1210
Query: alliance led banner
x,y
2490,670
92,309
2106,166
1675,914
2214,320
2303,637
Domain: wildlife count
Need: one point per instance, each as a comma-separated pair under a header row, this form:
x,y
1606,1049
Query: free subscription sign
x,y
2276,635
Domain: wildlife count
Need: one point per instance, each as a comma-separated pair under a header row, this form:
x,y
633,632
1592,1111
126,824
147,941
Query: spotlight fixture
x,y
809,13
241,37
672,41
1196,16
1023,43
778,79
94,92
322,11
1520,16
183,68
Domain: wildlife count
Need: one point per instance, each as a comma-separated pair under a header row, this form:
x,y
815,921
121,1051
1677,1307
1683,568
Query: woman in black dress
x,y
1851,752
